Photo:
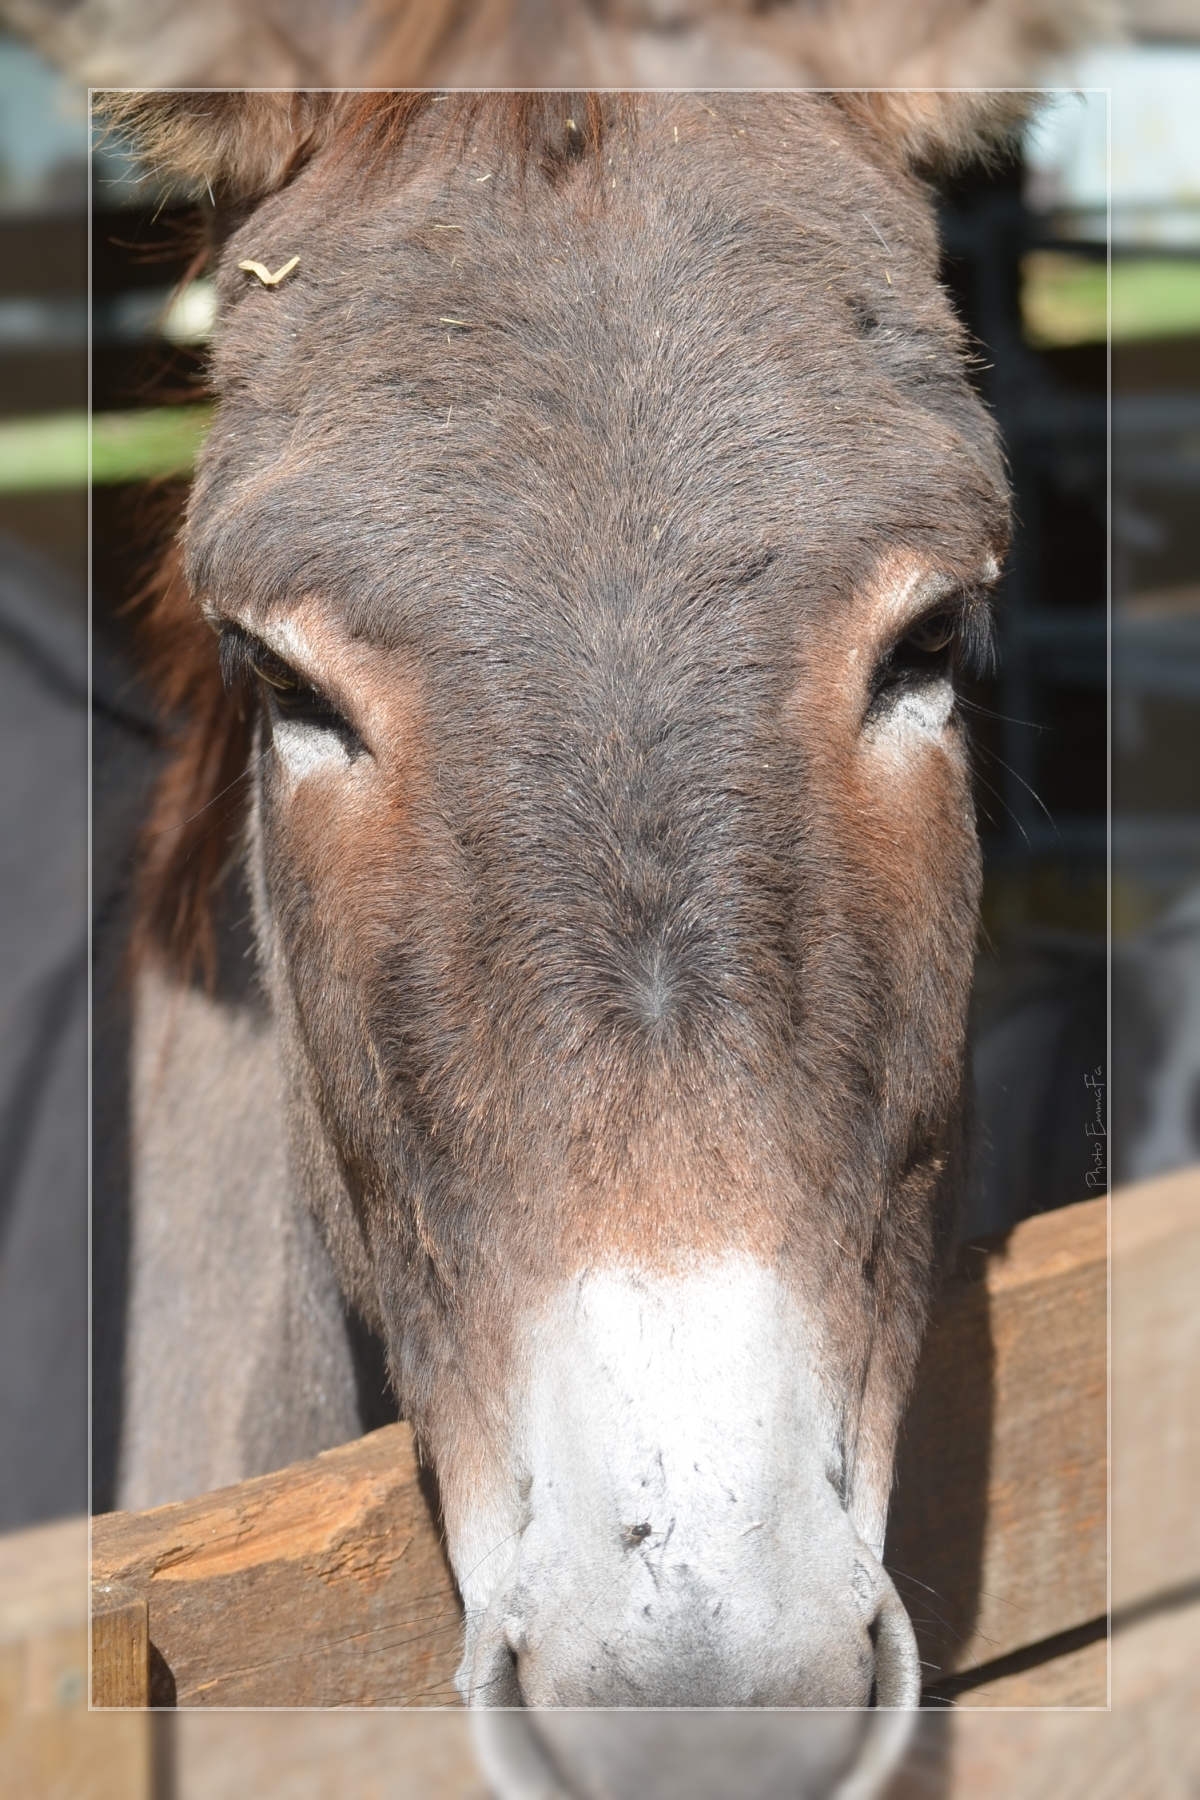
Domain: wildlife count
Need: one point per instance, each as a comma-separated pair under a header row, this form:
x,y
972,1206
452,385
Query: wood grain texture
x,y
1156,1387
43,1580
51,1746
120,1646
322,1585
1080,1678
998,1532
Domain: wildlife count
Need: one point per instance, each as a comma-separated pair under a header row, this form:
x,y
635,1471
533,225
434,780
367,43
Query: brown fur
x,y
590,451
195,822
249,144
245,145
464,1104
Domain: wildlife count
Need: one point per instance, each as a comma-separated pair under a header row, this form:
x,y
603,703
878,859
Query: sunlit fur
x,y
601,467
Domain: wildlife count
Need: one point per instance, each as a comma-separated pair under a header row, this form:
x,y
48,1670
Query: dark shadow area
x,y
938,1513
126,758
1039,1055
162,1685
945,1693
43,1049
376,1401
1038,726
164,1757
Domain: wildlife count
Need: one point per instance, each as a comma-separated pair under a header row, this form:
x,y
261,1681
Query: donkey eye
x,y
289,696
291,692
926,652
953,641
932,636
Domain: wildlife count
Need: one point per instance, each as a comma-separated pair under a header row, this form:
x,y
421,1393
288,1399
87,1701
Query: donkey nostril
x,y
897,1680
873,1635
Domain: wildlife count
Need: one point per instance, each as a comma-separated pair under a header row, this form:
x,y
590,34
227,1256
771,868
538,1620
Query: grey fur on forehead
x,y
462,325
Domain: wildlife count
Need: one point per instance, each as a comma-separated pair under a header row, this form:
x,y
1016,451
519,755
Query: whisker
x,y
987,712
200,811
489,1553
997,795
1008,768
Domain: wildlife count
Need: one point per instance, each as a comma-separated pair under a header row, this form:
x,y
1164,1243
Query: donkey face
x,y
601,516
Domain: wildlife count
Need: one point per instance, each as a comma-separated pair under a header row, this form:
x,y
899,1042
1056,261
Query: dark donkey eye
x,y
245,658
956,639
931,636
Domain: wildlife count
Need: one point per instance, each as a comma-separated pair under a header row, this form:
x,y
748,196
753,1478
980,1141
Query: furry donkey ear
x,y
239,145
177,43
936,132
940,80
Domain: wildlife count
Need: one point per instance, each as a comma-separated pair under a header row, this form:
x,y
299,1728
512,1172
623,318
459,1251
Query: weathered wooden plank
x,y
1146,1748
43,1579
418,1755
998,1532
50,1745
1009,1400
322,1585
1078,1678
120,1646
1156,1387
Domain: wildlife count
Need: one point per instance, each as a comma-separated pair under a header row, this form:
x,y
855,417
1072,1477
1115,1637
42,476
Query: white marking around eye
x,y
894,594
287,638
916,713
303,749
904,592
306,749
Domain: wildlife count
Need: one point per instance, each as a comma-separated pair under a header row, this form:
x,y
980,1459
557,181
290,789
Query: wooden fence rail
x,y
326,1585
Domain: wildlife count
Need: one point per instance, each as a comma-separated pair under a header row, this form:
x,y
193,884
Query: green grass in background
x,y
37,455
1064,298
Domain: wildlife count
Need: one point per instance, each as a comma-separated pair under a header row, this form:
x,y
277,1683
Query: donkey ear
x,y
937,77
239,145
939,132
177,43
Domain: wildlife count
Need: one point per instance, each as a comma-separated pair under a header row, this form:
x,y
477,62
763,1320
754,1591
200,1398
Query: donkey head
x,y
594,523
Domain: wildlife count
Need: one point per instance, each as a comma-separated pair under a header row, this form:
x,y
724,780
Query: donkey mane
x,y
193,829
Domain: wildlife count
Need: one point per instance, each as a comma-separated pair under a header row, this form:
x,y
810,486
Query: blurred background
x,y
1087,739
1027,254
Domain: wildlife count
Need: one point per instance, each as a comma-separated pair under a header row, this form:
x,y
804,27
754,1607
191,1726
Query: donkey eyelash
x,y
245,659
957,636
975,638
247,662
